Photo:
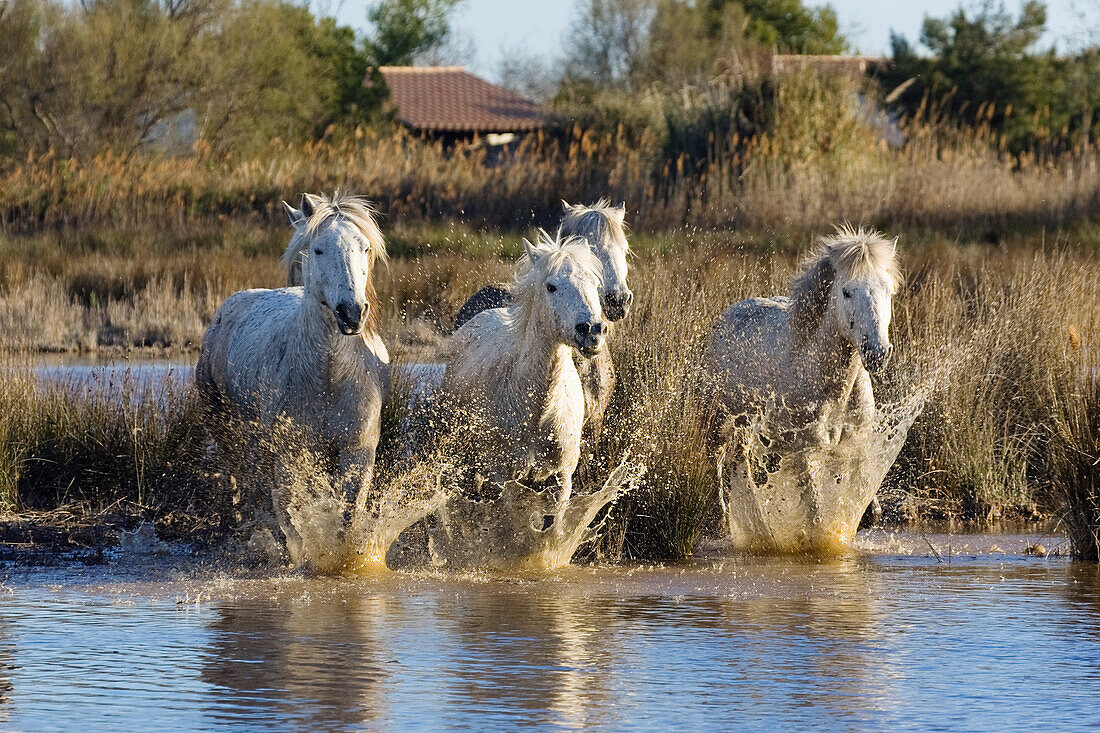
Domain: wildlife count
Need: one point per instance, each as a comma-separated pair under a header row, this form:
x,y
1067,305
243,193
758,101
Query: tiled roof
x,y
854,65
448,98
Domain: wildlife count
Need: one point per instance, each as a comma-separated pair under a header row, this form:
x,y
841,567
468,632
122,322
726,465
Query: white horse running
x,y
603,227
310,354
510,374
808,356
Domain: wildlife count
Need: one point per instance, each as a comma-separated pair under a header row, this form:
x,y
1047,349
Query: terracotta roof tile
x,y
448,98
826,64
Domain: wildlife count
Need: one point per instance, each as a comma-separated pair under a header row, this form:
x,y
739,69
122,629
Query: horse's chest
x,y
552,436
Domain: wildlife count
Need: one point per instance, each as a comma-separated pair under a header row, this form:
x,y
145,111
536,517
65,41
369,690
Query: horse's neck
x,y
537,367
829,359
322,351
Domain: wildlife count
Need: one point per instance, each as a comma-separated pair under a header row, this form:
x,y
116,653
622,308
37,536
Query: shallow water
x,y
987,638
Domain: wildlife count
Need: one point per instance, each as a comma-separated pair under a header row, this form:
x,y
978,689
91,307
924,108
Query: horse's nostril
x,y
348,314
584,327
628,298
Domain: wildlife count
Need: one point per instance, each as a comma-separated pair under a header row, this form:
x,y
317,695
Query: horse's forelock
x,y
849,253
857,252
356,210
602,221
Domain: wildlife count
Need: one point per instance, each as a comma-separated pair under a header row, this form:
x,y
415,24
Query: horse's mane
x,y
356,210
601,221
848,253
551,253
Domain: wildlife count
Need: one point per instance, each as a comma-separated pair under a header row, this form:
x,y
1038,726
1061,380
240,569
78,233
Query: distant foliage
x,y
404,29
630,44
121,74
984,69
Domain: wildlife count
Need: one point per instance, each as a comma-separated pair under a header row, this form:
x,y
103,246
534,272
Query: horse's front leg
x,y
356,467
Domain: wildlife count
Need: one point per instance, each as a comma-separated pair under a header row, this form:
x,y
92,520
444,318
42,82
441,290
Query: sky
x,y
492,28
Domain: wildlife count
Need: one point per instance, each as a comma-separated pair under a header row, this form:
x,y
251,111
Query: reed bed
x,y
807,172
129,450
1001,339
1073,450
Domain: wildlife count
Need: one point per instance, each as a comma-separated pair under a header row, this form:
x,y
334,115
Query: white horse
x,y
788,399
309,354
510,378
603,227
809,355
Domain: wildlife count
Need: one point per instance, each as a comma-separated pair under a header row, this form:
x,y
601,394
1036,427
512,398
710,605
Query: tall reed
x,y
824,158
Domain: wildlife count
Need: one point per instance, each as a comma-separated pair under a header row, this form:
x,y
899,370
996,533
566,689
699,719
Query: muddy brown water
x,y
980,636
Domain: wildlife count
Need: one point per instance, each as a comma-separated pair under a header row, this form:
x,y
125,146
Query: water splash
x,y
810,497
524,528
299,511
322,537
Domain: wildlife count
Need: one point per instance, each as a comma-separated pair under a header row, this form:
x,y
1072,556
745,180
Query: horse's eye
x,y
317,252
551,288
845,291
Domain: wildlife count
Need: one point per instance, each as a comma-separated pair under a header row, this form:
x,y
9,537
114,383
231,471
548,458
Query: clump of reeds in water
x,y
94,445
1073,449
654,416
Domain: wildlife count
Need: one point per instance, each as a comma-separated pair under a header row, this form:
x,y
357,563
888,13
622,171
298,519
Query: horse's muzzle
x,y
876,358
616,304
589,337
349,318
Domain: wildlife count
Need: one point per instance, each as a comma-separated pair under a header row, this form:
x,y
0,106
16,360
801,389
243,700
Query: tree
x,y
405,28
789,26
609,41
984,69
631,43
121,74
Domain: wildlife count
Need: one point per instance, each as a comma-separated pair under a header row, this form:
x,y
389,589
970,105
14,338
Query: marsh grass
x,y
1073,451
98,446
819,161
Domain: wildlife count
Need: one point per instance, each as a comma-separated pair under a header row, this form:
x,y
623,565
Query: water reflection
x,y
7,669
315,663
746,643
519,655
1083,601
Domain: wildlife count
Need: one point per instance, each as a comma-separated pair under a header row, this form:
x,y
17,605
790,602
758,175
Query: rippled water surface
x,y
983,638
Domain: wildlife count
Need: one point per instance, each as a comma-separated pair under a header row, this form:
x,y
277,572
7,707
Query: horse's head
x,y
864,283
335,246
559,281
603,227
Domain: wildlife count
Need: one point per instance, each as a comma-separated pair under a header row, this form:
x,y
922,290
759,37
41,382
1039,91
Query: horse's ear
x,y
895,250
566,205
307,205
622,207
293,214
529,249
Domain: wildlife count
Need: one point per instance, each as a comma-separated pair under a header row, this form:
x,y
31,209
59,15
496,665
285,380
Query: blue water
x,y
883,639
